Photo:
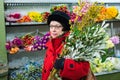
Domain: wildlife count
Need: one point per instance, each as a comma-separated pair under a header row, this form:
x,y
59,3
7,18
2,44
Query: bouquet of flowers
x,y
87,37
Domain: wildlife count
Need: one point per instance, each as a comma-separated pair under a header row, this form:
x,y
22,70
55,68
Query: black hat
x,y
61,17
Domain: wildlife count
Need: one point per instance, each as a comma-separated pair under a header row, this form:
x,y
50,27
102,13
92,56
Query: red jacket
x,y
72,70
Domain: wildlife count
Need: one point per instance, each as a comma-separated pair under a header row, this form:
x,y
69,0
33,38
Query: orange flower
x,y
14,50
107,13
111,12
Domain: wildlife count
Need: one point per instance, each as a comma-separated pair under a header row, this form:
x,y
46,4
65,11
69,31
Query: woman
x,y
69,69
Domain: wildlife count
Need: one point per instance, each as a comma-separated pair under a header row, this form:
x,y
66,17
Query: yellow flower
x,y
107,37
102,15
35,16
107,13
76,10
109,44
111,12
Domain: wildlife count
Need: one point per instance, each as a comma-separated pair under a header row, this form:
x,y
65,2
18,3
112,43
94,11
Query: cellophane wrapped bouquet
x,y
87,36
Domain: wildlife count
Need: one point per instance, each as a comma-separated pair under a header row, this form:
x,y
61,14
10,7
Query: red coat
x,y
72,70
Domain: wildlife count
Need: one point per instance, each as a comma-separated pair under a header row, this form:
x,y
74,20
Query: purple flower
x,y
39,42
37,38
8,45
115,39
17,41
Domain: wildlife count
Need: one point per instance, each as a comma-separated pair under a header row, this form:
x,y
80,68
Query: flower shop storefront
x,y
94,37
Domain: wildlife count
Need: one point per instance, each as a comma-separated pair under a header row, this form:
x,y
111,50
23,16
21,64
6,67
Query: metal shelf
x,y
24,24
37,2
25,4
58,1
103,73
114,20
40,1
19,59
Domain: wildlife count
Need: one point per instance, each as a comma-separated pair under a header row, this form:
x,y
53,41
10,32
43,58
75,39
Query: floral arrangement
x,y
35,16
13,46
88,39
61,7
30,17
30,71
17,17
39,43
25,18
13,17
45,16
98,65
38,17
28,42
107,13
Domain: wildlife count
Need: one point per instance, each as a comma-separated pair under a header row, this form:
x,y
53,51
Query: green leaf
x,y
109,53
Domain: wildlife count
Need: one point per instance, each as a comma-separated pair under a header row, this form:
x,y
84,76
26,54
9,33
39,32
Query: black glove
x,y
59,63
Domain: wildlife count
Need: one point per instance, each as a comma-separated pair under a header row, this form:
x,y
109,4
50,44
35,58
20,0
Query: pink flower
x,y
115,39
85,8
8,45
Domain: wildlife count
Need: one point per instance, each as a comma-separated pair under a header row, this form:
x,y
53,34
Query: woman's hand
x,y
59,63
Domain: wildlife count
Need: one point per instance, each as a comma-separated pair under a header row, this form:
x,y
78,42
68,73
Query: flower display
x,y
39,43
35,16
25,18
30,71
13,17
87,37
14,45
30,17
27,39
14,50
27,42
17,42
98,66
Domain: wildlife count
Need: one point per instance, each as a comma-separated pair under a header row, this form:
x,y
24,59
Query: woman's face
x,y
55,29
